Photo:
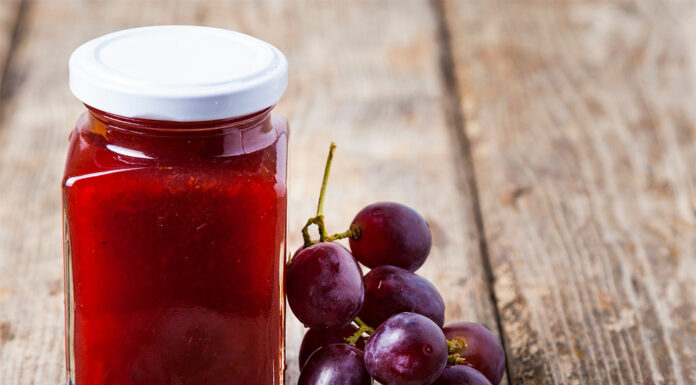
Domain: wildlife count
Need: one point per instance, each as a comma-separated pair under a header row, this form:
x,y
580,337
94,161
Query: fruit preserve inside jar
x,y
175,227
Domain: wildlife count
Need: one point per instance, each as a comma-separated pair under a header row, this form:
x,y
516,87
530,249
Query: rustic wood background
x,y
552,146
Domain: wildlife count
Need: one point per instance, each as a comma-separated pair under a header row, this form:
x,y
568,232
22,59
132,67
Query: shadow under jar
x,y
175,227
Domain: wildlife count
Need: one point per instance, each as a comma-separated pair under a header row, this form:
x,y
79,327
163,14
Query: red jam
x,y
175,236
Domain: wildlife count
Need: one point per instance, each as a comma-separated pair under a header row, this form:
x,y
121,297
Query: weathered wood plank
x,y
582,127
365,75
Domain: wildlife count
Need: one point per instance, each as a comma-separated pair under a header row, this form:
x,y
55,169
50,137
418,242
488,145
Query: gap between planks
x,y
467,176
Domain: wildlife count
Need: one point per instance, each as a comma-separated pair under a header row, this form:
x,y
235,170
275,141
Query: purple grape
x,y
481,349
461,375
324,286
316,338
335,364
391,234
407,349
390,290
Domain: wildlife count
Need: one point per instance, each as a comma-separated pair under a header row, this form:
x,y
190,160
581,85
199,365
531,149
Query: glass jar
x,y
175,227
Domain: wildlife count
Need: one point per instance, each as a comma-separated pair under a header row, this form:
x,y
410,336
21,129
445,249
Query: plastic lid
x,y
179,73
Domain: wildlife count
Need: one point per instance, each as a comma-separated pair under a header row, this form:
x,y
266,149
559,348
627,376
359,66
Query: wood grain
x,y
365,75
582,128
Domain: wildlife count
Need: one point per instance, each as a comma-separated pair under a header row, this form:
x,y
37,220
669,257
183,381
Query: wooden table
x,y
550,145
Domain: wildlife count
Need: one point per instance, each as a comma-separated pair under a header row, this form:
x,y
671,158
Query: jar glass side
x,y
174,250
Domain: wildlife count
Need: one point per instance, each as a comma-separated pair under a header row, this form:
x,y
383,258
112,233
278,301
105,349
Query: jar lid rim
x,y
178,73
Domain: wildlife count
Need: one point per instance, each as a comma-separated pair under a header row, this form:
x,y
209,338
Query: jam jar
x,y
174,203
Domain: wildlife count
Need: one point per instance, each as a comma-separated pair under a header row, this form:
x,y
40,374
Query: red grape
x,y
407,349
316,338
338,364
461,375
390,290
390,234
324,286
482,349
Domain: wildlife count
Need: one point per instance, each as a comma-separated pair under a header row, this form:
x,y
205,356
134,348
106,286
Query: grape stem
x,y
325,180
363,328
456,359
318,220
362,325
353,232
454,347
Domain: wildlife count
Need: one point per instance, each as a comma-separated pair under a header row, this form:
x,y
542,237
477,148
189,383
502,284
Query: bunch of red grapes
x,y
388,324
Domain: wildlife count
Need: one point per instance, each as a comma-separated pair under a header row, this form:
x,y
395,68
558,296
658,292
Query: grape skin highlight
x,y
390,234
324,286
391,290
407,349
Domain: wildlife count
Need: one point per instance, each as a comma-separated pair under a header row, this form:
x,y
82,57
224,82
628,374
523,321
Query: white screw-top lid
x,y
179,73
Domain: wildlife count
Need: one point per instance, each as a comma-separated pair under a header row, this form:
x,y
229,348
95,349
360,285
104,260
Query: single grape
x,y
324,286
390,234
482,349
390,290
316,338
407,349
461,375
338,364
